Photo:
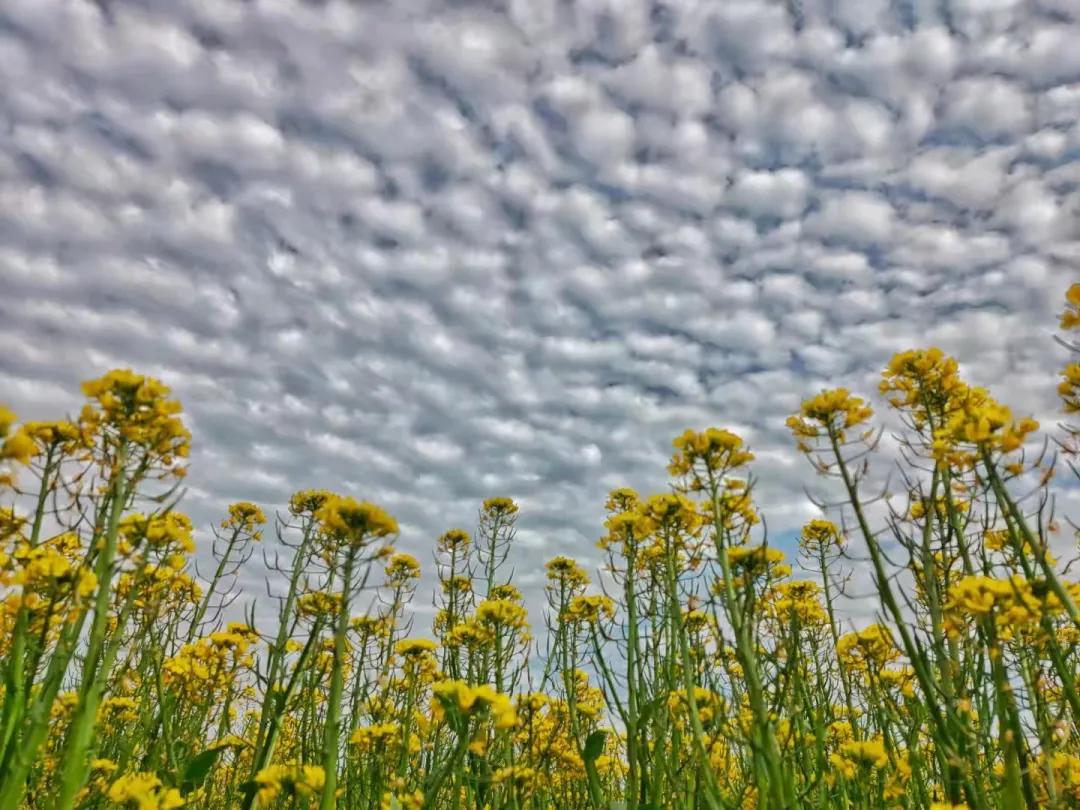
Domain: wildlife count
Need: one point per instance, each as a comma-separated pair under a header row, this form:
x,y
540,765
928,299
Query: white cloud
x,y
517,246
778,194
857,217
989,106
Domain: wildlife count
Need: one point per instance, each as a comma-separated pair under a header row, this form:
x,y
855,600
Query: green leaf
x,y
249,788
198,768
594,746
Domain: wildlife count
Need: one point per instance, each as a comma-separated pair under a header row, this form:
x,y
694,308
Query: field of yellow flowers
x,y
701,675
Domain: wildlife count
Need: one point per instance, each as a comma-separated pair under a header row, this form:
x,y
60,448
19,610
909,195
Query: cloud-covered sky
x,y
427,252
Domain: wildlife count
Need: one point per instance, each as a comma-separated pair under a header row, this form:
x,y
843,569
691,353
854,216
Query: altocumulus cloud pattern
x,y
428,252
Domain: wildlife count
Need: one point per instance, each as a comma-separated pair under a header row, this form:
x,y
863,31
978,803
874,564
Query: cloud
x,y
856,217
987,106
427,253
779,194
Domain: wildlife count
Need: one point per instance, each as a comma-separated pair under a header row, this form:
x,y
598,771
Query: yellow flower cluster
x,y
669,511
521,777
50,571
204,668
290,780
318,603
171,532
707,455
401,569
976,418
753,560
307,502
1070,319
460,697
501,506
376,737
699,673
830,413
922,381
402,801
415,646
354,522
140,412
454,540
1015,603
590,609
144,791
732,509
245,517
859,754
501,613
17,448
797,600
819,535
868,649
566,573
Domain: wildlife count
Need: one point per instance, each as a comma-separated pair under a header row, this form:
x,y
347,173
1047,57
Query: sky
x,y
423,253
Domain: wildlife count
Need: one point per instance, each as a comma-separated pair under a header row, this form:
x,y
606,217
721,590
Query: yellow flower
x,y
245,516
402,568
505,591
469,700
670,510
163,533
456,584
290,780
710,453
753,559
820,535
566,573
52,433
18,447
867,649
799,599
590,609
497,613
471,635
1013,602
921,380
103,765
138,410
623,507
353,521
453,540
402,801
500,506
7,419
144,791
1070,319
860,754
52,567
521,777
622,499
978,419
318,603
832,411
415,646
307,502
376,737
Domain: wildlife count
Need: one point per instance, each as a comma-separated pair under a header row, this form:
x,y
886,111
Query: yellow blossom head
x,y
354,522
830,413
